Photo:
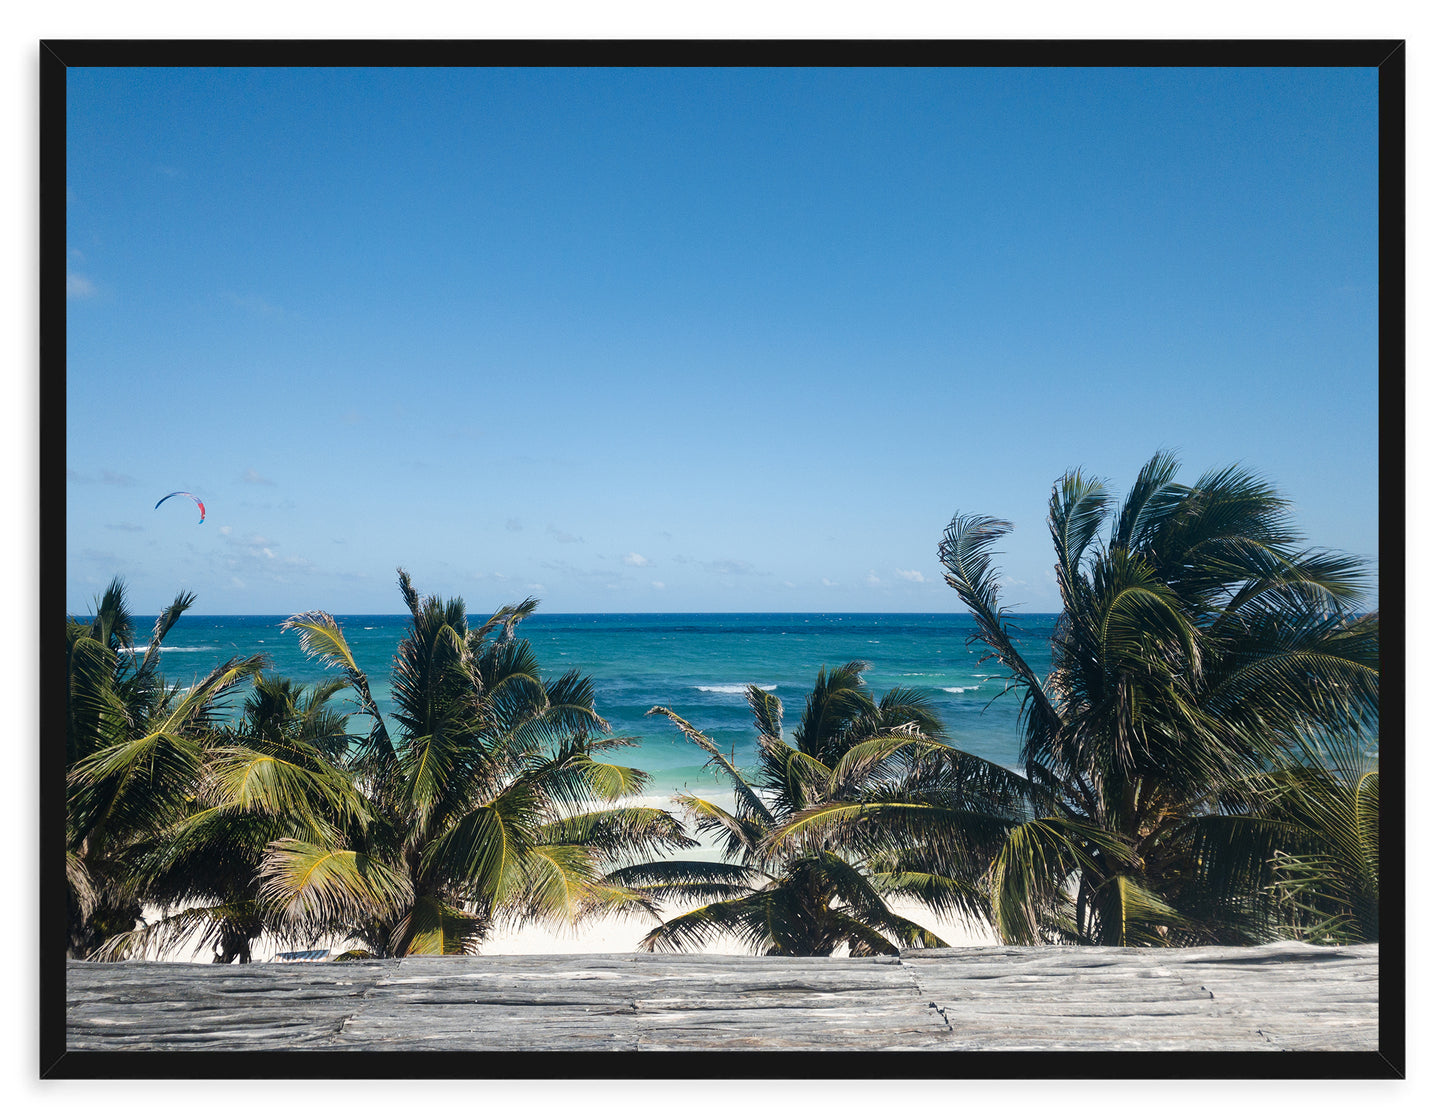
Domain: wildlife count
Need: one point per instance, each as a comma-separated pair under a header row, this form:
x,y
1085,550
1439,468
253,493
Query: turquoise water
x,y
696,664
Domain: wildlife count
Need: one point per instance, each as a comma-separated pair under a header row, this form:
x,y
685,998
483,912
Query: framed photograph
x,y
646,549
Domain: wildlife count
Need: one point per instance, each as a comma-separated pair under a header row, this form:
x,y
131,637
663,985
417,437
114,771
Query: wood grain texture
x,y
1274,998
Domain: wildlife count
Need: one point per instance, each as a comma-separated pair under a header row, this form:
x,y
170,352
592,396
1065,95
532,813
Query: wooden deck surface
x,y
1275,998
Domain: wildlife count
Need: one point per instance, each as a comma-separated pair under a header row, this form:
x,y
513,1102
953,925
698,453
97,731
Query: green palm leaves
x,y
481,800
138,750
1199,655
794,884
1329,876
487,804
271,779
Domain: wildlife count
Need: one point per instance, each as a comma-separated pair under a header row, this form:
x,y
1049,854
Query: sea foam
x,y
734,689
140,650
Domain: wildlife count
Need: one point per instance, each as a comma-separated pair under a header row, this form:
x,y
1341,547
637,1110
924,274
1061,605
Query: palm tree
x,y
135,748
1200,649
488,805
275,776
1328,870
782,896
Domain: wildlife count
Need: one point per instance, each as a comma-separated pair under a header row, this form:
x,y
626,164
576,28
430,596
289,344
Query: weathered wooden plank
x,y
488,1028
747,1003
1271,998
199,1006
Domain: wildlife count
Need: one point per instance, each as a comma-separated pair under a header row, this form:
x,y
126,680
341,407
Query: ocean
x,y
696,664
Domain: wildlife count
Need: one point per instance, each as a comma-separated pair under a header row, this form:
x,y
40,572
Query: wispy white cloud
x,y
722,566
911,576
659,585
253,478
873,579
78,286
632,559
125,526
258,557
104,476
514,525
573,571
563,537
829,582
95,555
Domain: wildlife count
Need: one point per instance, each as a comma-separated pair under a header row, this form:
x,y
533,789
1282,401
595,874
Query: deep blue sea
x,y
696,664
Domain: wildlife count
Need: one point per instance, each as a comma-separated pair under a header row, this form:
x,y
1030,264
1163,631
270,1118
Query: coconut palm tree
x,y
804,893
1199,650
275,776
488,804
135,748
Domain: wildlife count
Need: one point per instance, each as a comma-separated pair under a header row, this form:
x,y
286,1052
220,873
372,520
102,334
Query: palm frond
x,y
227,927
308,887
617,833
320,636
749,919
945,894
966,553
1129,914
1149,501
95,714
687,881
482,852
505,621
942,832
431,927
767,711
285,783
1034,865
167,618
750,803
1077,508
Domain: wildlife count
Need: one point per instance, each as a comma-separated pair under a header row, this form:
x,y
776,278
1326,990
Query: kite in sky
x,y
182,493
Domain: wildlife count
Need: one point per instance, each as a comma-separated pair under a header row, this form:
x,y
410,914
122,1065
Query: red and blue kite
x,y
182,493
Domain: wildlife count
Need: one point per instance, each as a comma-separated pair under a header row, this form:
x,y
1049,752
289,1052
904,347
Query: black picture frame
x,y
57,57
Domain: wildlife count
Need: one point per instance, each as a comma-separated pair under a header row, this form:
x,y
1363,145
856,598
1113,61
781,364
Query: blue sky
x,y
693,340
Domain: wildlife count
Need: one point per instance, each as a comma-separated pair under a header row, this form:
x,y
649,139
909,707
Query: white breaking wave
x,y
140,650
734,689
970,688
